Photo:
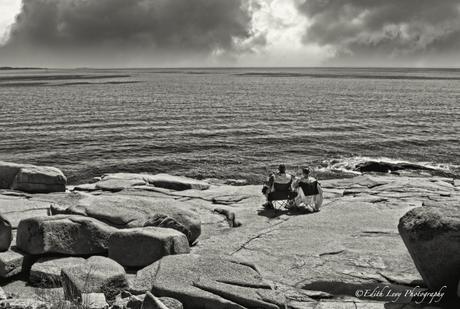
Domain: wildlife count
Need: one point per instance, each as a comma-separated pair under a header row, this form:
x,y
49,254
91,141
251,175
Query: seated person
x,y
309,192
278,186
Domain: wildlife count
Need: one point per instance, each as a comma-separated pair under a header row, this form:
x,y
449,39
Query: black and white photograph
x,y
230,154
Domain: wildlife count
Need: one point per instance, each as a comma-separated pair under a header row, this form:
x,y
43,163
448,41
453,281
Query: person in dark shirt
x,y
309,191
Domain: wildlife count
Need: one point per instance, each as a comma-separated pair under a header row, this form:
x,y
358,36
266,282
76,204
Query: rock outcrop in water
x,y
240,255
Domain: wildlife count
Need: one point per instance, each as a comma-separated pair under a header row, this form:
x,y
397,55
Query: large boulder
x,y
432,236
166,181
12,262
31,178
46,272
205,282
98,275
139,247
129,211
6,234
64,234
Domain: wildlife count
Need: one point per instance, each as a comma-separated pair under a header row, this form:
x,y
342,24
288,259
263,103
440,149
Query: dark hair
x,y
282,168
306,170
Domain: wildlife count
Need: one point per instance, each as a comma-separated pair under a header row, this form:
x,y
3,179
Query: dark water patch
x,y
57,77
18,68
95,84
348,76
32,84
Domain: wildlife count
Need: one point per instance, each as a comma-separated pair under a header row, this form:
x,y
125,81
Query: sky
x,y
214,33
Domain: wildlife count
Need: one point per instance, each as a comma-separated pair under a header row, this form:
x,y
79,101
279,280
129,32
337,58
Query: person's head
x,y
306,171
282,168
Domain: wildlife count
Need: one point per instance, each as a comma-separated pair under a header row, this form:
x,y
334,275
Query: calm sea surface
x,y
228,123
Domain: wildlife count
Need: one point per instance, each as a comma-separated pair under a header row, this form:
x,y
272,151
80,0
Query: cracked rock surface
x,y
291,259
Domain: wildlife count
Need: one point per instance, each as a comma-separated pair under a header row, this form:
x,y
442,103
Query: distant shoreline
x,y
382,68
18,68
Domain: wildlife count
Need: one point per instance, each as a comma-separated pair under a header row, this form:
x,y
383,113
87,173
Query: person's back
x,y
277,182
309,185
310,194
282,178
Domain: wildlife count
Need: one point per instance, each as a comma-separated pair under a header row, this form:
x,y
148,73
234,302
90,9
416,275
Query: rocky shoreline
x,y
162,241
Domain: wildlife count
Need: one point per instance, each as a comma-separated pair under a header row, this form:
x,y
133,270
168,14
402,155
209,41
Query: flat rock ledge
x,y
199,244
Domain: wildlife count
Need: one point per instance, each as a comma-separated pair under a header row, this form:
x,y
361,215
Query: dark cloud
x,y
103,31
380,32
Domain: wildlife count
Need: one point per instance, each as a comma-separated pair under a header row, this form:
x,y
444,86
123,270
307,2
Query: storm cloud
x,y
92,32
376,32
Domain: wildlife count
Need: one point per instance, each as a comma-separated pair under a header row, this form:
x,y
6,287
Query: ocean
x,y
229,123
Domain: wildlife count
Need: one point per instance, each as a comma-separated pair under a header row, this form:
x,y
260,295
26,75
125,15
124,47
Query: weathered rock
x,y
3,295
432,236
163,181
6,234
320,255
24,303
30,178
35,179
94,301
65,234
98,275
135,302
8,172
46,272
199,281
116,185
54,296
127,300
17,208
152,302
171,303
139,247
12,262
88,187
125,211
120,303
